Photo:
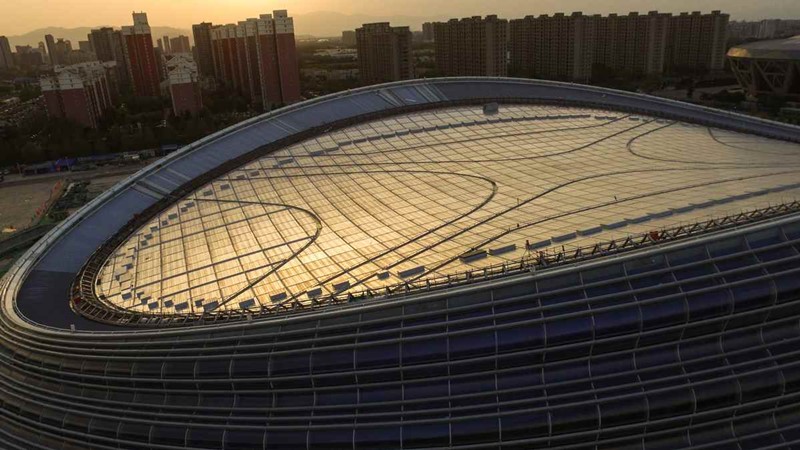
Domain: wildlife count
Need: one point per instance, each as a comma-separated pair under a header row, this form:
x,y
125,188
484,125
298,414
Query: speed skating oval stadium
x,y
450,263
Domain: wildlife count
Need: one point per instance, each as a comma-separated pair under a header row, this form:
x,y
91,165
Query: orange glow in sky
x,y
20,17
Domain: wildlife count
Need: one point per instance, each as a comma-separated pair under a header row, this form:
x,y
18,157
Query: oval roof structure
x,y
392,185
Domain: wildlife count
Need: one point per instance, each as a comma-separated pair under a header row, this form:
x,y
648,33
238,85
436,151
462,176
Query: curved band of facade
x,y
686,344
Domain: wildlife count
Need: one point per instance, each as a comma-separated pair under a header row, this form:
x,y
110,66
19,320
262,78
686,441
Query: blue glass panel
x,y
623,411
425,307
217,368
752,295
325,439
764,238
472,345
646,264
611,364
668,441
726,247
377,438
168,435
250,367
519,378
568,371
607,289
205,438
559,282
736,263
431,389
243,440
559,299
323,360
523,425
651,280
711,434
472,385
694,271
370,333
132,431
476,431
424,435
574,419
285,365
339,397
217,400
387,355
424,351
453,318
716,395
515,290
381,394
663,313
261,401
568,330
708,304
603,273
409,324
776,254
687,256
100,427
760,386
657,357
293,399
792,230
617,321
179,369
675,402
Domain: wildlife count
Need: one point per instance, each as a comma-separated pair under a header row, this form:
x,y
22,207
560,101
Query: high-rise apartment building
x,y
142,64
472,47
85,46
258,59
108,46
560,47
202,42
286,52
167,44
178,44
633,43
51,48
577,47
349,38
58,50
427,32
79,93
28,56
696,42
184,85
384,53
6,58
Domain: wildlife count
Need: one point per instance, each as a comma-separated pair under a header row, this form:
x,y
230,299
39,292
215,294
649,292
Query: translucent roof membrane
x,y
435,193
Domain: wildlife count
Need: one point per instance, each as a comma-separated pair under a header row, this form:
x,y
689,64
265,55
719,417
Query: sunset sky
x,y
22,16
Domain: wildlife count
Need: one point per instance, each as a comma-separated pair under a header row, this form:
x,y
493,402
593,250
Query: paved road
x,y
19,180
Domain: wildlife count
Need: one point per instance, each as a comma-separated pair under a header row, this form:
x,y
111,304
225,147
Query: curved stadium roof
x,y
402,266
780,49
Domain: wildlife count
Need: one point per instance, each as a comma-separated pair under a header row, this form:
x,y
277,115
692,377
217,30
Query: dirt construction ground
x,y
18,204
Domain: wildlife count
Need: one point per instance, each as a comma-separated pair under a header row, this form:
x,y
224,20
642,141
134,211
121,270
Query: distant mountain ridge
x,y
319,23
74,35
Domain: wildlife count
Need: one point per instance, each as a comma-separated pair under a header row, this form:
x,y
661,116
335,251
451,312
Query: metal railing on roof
x,y
85,302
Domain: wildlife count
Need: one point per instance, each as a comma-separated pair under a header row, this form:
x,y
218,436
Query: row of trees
x,y
136,125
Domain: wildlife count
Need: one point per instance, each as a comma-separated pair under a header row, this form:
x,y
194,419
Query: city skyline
x,y
39,14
